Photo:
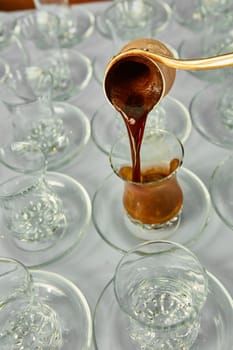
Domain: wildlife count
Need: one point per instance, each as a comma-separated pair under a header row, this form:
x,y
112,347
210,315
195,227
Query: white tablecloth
x,y
91,264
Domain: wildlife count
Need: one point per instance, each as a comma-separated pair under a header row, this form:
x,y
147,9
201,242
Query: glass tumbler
x,y
25,321
26,93
161,287
156,201
38,32
32,212
76,23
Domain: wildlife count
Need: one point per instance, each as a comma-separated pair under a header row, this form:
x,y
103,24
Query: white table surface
x,y
91,264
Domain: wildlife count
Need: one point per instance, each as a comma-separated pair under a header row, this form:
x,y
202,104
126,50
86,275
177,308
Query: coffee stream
x,y
134,90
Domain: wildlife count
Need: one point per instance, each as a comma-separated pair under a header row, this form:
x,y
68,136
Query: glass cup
x,y
26,93
38,31
32,212
202,14
25,321
75,25
156,201
161,287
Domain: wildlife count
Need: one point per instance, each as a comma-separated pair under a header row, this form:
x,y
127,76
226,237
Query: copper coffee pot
x,y
146,67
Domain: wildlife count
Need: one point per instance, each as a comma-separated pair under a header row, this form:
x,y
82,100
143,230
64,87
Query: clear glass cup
x,y
26,93
198,15
161,287
157,200
32,212
38,33
59,129
26,322
75,24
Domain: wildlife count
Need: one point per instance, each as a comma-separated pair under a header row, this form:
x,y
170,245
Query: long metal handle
x,y
214,62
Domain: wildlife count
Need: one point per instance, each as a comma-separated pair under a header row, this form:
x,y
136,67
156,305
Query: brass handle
x,y
214,62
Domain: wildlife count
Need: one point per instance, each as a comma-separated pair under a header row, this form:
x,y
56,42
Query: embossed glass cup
x,y
161,287
75,24
32,212
203,14
25,321
156,201
26,93
38,32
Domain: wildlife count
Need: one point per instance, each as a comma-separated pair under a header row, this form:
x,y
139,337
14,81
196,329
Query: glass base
x,y
221,191
110,219
81,26
70,306
71,71
78,214
110,324
147,232
76,128
107,125
211,113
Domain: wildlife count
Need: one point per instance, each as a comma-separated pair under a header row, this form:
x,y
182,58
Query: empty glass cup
x,y
203,14
26,322
32,212
38,32
76,24
26,92
161,287
156,200
59,129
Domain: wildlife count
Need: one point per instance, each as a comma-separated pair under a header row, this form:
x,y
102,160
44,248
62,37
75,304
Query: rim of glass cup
x,y
38,171
26,270
22,147
28,73
139,251
117,3
16,24
148,132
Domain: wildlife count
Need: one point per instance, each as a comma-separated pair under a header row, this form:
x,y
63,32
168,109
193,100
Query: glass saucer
x,y
71,71
77,208
211,113
161,16
110,324
70,306
107,124
80,27
205,45
76,127
221,190
114,227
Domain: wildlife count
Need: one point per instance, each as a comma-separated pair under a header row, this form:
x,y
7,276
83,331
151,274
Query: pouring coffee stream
x,y
139,76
